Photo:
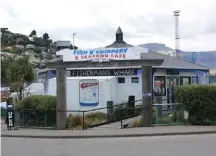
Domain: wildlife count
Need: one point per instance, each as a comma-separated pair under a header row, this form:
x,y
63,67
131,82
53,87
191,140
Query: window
x,y
121,80
135,80
194,80
159,86
212,79
185,80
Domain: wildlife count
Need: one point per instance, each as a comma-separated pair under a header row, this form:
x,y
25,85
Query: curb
x,y
106,136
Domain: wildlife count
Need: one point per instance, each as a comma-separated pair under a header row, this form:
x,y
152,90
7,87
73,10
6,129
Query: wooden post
x,y
147,96
109,111
61,97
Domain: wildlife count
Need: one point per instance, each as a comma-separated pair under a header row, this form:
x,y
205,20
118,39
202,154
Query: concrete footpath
x,y
106,133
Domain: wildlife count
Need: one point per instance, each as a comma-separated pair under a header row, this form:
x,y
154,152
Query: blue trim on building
x,y
88,104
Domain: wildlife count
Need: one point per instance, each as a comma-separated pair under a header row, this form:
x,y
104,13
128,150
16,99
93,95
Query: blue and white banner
x,y
101,54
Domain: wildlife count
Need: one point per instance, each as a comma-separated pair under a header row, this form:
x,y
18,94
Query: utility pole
x,y
177,36
73,39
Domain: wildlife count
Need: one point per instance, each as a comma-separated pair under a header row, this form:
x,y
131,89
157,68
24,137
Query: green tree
x,y
20,72
4,65
39,42
17,51
33,33
45,36
3,30
37,50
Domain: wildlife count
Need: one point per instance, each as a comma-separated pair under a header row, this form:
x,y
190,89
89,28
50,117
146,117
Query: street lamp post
x,y
73,39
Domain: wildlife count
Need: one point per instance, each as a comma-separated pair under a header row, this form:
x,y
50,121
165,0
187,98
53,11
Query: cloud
x,y
95,22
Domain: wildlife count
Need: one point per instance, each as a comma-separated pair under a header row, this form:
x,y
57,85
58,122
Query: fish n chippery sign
x,y
99,54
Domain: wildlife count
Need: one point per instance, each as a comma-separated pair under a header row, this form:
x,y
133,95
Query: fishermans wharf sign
x,y
103,54
105,72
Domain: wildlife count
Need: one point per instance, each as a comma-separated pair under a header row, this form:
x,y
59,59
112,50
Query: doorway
x,y
172,84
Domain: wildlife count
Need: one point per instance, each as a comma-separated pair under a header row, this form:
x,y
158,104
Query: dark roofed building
x,y
119,42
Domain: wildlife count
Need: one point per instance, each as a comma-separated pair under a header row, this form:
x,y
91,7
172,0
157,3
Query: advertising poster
x,y
89,92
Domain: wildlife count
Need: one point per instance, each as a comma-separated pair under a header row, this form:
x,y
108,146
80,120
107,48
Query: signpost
x,y
10,116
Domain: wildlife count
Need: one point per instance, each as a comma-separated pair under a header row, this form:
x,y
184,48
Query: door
x,y
172,84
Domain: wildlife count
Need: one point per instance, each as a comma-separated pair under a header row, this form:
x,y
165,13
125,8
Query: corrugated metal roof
x,y
171,62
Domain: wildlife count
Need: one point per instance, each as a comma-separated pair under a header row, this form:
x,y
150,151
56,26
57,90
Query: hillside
x,y
17,43
205,58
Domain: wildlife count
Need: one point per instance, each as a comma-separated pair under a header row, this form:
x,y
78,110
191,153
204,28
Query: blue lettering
x,y
125,50
91,52
74,52
102,51
81,52
113,51
97,52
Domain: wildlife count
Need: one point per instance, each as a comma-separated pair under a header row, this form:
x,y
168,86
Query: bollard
x,y
83,120
109,111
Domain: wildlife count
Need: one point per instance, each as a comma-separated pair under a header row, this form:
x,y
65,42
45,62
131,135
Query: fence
x,y
121,114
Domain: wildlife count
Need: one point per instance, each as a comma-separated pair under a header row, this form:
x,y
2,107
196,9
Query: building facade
x,y
128,80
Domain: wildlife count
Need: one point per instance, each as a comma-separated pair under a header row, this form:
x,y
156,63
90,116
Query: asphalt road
x,y
194,145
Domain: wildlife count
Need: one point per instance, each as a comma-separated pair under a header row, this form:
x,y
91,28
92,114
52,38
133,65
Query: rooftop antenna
x,y
177,36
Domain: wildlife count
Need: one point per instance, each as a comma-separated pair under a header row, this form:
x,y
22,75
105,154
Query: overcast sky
x,y
95,21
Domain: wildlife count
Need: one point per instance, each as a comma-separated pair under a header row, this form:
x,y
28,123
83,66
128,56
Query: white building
x,y
30,46
117,84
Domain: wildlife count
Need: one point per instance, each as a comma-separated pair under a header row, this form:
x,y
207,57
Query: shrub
x,y
37,110
137,123
123,112
199,101
39,102
96,115
76,121
3,112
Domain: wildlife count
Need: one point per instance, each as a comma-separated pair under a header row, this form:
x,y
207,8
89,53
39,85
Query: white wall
x,y
124,90
73,102
109,88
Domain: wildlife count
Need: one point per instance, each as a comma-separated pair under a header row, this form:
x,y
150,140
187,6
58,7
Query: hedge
x,y
200,103
37,110
41,102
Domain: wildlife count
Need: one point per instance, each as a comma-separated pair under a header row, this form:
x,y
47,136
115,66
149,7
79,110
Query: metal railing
x,y
123,115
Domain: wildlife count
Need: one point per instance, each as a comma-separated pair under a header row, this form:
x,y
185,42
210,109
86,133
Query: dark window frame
x,y
163,88
134,78
194,78
121,79
182,77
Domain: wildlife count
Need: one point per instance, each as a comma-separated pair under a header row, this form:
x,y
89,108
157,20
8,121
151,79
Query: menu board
x,y
89,92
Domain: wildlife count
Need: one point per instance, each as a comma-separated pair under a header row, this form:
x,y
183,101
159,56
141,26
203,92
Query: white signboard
x,y
203,77
101,54
89,92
